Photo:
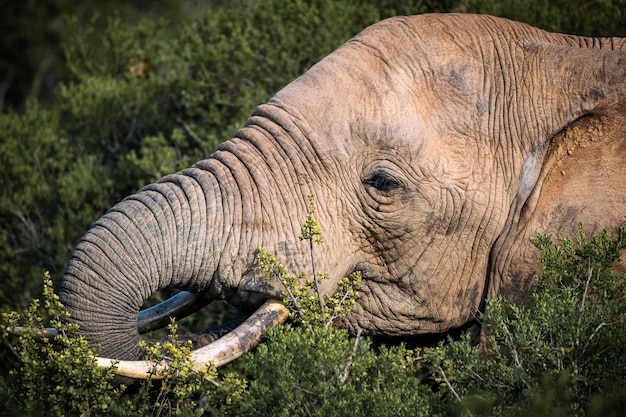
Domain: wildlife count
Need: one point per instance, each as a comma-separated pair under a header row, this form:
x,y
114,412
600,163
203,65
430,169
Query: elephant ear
x,y
577,88
573,81
577,173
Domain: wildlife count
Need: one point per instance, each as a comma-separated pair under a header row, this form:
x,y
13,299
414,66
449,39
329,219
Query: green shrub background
x,y
100,98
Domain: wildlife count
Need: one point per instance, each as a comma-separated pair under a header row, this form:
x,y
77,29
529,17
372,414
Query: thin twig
x,y
474,372
582,305
518,363
293,298
601,325
349,359
214,382
193,134
315,280
443,374
597,329
338,308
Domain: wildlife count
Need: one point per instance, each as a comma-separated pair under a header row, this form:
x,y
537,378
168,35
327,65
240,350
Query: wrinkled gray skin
x,y
435,145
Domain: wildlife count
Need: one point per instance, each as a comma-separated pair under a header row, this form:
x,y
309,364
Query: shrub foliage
x,y
560,353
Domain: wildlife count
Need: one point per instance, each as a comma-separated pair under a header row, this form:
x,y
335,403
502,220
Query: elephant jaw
x,y
224,350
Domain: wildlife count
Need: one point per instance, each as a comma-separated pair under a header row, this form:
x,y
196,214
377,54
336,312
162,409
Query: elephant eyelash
x,y
382,181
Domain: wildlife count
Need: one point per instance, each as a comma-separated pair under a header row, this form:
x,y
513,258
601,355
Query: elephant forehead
x,y
383,86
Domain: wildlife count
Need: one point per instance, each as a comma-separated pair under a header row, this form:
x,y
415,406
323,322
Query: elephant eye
x,y
382,181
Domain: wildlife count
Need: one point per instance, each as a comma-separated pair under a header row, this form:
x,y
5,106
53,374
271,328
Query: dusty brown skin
x,y
435,145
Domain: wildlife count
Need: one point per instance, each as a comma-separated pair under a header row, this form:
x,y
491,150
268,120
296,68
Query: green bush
x,y
560,352
316,370
55,378
324,372
59,375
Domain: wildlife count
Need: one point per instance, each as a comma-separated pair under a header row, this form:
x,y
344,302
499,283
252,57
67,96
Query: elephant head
x,y
434,145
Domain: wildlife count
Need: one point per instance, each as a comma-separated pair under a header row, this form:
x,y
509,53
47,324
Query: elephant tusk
x,y
156,317
181,305
36,333
226,349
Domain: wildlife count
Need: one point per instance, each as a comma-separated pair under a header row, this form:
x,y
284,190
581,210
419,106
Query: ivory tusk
x,y
181,305
226,349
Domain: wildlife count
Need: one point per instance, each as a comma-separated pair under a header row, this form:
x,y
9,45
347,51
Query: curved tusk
x,y
226,349
36,333
181,305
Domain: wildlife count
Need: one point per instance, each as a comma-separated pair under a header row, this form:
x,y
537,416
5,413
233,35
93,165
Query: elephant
x,y
435,145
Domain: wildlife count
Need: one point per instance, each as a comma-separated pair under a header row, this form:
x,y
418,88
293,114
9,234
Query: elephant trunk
x,y
169,234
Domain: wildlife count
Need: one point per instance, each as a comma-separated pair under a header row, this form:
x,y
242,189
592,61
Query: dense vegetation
x,y
99,100
560,354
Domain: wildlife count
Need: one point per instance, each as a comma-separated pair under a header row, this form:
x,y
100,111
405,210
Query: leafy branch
x,y
304,296
63,381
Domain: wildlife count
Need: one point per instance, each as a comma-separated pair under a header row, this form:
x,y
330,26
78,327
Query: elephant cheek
x,y
385,310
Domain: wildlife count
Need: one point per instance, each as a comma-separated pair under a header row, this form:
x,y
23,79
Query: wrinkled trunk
x,y
169,234
198,231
